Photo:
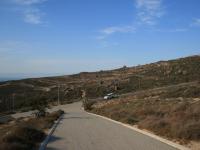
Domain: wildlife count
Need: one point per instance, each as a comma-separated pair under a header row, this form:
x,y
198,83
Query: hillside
x,y
97,84
171,111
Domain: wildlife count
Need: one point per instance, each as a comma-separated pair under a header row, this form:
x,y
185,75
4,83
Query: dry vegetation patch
x,y
160,110
26,134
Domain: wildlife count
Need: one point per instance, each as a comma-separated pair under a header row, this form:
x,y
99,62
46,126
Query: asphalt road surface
x,y
79,130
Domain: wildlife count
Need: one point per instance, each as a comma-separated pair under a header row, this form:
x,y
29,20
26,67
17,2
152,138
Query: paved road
x,y
81,131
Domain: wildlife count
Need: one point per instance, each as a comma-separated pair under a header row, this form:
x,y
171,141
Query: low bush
x,y
14,146
22,138
26,135
45,122
189,131
131,119
87,104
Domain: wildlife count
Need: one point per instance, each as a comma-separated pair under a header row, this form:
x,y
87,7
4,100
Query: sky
x,y
56,37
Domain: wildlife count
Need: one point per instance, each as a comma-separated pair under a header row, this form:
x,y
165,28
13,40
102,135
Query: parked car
x,y
39,114
110,96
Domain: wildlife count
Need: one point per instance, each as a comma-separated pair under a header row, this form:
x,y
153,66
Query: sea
x,y
2,79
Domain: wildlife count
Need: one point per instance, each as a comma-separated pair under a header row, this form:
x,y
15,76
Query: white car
x,y
106,97
110,96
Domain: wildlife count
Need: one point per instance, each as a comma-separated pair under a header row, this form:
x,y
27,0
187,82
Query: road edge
x,y
45,142
175,145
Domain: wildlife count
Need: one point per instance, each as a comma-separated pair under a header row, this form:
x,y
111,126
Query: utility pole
x,y
58,94
139,82
13,102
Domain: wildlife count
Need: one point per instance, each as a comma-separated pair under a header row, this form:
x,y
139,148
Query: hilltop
x,y
97,84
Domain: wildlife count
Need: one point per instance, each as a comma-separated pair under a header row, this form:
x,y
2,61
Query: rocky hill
x,y
97,84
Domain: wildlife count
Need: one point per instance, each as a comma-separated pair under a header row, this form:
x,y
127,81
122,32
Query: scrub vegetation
x,y
97,84
172,111
26,133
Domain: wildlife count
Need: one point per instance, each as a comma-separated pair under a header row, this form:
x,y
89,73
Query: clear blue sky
x,y
54,37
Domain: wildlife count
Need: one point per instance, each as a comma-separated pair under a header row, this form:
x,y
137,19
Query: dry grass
x,y
181,121
26,134
174,117
22,138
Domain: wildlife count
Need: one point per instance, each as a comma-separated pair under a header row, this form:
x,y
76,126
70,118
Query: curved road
x,y
79,130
